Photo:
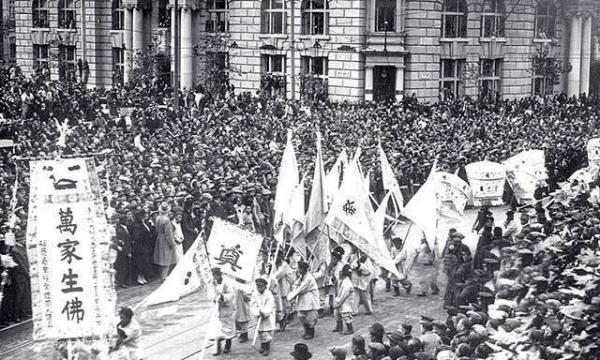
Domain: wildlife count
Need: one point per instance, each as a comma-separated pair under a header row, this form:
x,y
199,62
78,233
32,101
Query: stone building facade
x,y
7,38
359,49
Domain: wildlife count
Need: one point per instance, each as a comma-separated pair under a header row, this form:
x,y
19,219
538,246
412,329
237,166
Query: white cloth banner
x,y
234,250
524,171
487,182
68,247
390,182
454,192
593,151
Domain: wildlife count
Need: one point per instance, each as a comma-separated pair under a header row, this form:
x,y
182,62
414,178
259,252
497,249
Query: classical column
x,y
369,83
575,56
138,29
187,51
586,55
173,38
399,83
128,41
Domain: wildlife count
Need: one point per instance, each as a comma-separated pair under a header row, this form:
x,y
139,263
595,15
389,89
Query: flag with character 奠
x,y
234,250
68,248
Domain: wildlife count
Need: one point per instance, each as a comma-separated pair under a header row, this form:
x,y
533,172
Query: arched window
x,y
545,20
118,15
492,19
314,17
66,14
40,14
273,16
454,19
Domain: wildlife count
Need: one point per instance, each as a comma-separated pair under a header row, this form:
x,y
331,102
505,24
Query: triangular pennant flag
x,y
287,181
317,206
390,183
293,219
351,217
423,207
334,176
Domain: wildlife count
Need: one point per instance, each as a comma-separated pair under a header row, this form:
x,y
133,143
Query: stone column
x,y
154,20
368,83
138,29
128,41
575,56
174,12
586,55
187,51
399,83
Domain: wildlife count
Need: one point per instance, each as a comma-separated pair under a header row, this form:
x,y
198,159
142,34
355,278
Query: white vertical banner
x,y
234,250
68,246
593,151
487,182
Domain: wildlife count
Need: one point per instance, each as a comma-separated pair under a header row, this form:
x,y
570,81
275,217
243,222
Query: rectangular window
x,y
451,78
490,76
543,83
66,14
118,57
218,19
273,64
66,63
118,15
314,66
40,59
273,17
40,14
385,15
314,17
492,25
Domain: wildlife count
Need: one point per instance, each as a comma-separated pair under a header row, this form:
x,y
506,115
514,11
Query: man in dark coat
x,y
142,247
123,261
188,225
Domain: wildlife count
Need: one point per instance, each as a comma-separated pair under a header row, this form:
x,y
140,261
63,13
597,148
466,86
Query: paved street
x,y
176,331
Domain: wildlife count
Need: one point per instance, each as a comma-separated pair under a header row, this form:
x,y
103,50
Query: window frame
x,y
269,13
456,77
267,66
220,25
118,15
164,14
459,19
309,14
548,18
40,14
118,65
497,18
308,66
380,25
64,52
495,78
67,14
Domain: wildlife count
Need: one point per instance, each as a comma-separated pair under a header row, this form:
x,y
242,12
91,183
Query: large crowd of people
x,y
219,156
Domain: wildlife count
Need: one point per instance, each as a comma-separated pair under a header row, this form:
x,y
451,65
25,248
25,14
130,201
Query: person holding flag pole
x,y
307,293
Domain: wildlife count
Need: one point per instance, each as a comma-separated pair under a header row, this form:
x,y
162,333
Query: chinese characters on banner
x,y
487,182
524,172
234,250
68,247
593,151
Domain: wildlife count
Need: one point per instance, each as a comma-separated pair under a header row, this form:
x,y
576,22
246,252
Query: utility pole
x,y
293,50
176,57
83,35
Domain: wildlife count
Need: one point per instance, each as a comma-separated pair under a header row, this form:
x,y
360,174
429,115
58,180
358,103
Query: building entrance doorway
x,y
384,83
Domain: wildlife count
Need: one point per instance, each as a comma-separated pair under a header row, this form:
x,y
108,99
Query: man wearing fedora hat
x,y
306,291
301,352
164,250
263,307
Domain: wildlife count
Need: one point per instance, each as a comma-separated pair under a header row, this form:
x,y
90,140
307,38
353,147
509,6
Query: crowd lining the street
x,y
525,292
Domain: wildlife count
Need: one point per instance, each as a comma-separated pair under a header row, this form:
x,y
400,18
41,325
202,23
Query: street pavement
x,y
177,331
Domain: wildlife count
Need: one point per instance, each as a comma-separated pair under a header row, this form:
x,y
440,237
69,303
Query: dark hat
x,y
260,281
216,271
406,328
425,319
395,336
301,352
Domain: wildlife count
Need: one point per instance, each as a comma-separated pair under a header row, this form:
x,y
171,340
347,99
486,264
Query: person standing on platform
x,y
306,291
263,307
224,297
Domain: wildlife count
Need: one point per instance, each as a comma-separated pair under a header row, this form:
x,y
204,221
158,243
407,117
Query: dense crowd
x,y
219,156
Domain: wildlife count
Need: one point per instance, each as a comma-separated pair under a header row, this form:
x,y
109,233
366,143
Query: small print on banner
x,y
67,244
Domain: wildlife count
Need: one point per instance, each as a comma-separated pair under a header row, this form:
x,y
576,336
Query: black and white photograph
x,y
300,179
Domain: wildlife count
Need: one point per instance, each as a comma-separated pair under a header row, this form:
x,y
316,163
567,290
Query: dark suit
x,y
123,262
142,248
188,228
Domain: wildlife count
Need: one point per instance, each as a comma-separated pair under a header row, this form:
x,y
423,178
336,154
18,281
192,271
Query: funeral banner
x,y
487,182
68,248
593,150
234,250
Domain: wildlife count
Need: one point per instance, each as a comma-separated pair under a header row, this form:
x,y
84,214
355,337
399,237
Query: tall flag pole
x,y
317,206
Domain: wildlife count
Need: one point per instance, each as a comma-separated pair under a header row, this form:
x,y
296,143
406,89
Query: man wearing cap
x,y
263,307
306,291
143,246
343,302
224,296
361,280
332,279
429,339
123,264
399,255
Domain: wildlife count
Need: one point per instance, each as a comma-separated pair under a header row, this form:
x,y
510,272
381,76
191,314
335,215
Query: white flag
x,y
293,219
286,182
453,192
423,208
390,183
335,175
351,217
524,171
317,206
